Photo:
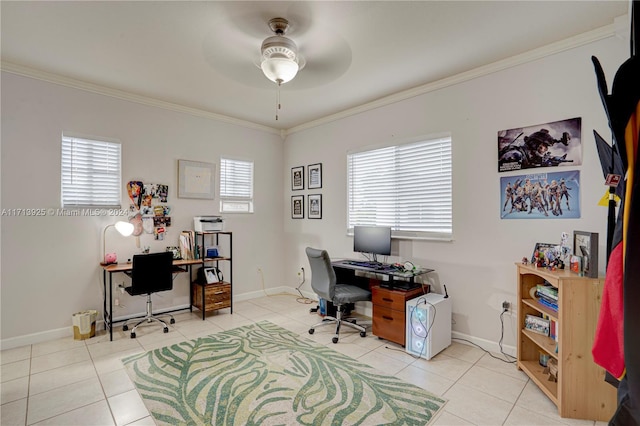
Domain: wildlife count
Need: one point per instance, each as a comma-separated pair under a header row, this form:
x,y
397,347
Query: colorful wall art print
x,y
541,196
545,145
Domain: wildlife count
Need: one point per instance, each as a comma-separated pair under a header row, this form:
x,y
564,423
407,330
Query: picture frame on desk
x,y
585,245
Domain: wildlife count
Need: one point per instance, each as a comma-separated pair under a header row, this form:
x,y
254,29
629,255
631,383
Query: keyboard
x,y
371,265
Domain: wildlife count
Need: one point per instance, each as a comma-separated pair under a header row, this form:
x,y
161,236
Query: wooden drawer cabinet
x,y
389,312
216,296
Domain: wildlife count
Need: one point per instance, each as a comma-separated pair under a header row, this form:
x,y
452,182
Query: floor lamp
x,y
125,229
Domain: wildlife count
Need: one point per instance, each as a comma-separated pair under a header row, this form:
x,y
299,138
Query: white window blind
x,y
236,186
90,173
407,187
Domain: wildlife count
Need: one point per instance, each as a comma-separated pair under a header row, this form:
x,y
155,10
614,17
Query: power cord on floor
x,y
508,361
302,299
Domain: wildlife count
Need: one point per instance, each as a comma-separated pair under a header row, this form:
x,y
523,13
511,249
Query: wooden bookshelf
x,y
580,391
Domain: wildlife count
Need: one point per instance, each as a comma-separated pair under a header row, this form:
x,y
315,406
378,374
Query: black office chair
x,y
323,283
151,273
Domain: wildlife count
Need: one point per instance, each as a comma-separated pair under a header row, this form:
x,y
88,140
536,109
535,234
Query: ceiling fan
x,y
280,60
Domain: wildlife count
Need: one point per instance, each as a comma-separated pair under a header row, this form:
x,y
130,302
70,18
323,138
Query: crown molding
x,y
573,42
128,96
615,29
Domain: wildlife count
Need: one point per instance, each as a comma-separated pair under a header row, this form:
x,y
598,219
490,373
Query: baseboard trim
x,y
487,345
59,333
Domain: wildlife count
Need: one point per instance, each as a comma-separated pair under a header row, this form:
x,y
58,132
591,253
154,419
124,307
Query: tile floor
x,y
68,382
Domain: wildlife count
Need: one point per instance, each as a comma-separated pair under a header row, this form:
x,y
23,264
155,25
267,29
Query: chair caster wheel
x,y
125,327
363,334
166,329
133,335
334,340
311,331
173,321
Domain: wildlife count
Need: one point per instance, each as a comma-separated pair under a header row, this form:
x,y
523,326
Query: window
x,y
407,187
236,186
90,173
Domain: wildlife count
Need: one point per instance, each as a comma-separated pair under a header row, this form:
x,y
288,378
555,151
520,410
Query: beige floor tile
x,y
147,421
448,419
424,379
96,414
500,366
523,417
14,413
67,375
9,356
106,348
442,365
63,399
475,406
14,370
58,345
533,399
464,352
493,383
116,382
383,363
127,407
58,359
14,390
113,361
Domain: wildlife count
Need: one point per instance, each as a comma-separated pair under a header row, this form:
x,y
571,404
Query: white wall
x,y
478,266
50,264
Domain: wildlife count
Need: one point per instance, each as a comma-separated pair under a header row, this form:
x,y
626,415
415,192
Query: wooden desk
x,y
179,265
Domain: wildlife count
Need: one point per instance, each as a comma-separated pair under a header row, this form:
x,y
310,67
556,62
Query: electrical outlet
x,y
505,306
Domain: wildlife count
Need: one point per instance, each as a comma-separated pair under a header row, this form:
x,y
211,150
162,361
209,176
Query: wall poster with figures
x,y
558,143
540,196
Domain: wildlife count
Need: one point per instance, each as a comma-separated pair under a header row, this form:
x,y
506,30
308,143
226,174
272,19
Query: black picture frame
x,y
315,206
585,245
542,248
297,178
297,207
315,176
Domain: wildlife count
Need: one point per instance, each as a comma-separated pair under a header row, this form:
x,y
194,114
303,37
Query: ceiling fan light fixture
x,y
279,70
279,59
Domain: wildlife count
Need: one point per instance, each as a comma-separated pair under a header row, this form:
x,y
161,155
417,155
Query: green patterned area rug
x,y
262,374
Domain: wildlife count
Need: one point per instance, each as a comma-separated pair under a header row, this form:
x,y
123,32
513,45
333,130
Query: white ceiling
x,y
202,55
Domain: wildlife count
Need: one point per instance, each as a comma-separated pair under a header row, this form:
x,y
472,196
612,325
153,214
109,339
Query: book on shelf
x,y
187,245
537,324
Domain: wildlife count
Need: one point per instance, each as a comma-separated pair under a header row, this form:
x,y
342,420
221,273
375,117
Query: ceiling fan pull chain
x,y
278,106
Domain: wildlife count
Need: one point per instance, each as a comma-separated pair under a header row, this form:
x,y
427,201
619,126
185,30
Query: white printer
x,y
208,223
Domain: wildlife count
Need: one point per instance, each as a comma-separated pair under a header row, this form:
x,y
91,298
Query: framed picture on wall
x,y
315,176
196,179
585,245
297,178
297,207
315,206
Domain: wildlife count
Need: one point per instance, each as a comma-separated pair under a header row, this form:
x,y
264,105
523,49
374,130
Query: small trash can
x,y
84,324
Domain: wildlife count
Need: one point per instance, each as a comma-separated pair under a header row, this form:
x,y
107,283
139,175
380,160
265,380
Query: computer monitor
x,y
372,239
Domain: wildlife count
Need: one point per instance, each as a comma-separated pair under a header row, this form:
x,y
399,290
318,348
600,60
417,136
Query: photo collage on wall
x,y
540,193
148,210
314,201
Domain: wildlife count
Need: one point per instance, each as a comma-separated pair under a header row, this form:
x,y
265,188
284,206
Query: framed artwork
x,y
297,207
540,195
315,176
558,143
585,245
196,179
297,178
543,254
315,206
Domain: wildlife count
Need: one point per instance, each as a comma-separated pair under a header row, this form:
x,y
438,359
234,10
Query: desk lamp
x,y
125,229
